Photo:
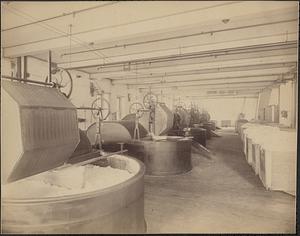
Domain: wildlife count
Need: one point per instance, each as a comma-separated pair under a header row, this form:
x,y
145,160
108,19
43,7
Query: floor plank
x,y
219,195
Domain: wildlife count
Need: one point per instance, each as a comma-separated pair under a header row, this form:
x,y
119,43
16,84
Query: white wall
x,y
276,101
6,67
282,98
38,70
263,105
229,108
287,104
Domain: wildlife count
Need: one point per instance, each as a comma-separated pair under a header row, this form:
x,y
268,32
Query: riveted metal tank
x,y
39,133
115,131
207,127
169,156
116,209
199,135
163,119
184,118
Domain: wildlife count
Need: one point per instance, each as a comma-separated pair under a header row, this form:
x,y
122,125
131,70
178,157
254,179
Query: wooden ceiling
x,y
190,45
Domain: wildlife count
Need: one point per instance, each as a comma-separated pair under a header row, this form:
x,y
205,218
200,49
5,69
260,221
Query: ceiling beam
x,y
213,49
264,83
181,93
207,88
259,61
167,76
204,77
156,26
56,16
276,50
224,97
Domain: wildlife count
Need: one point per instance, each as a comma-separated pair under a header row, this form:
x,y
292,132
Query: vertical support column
x,y
19,68
25,70
106,96
118,108
120,113
257,107
101,99
279,114
296,101
49,66
293,104
98,137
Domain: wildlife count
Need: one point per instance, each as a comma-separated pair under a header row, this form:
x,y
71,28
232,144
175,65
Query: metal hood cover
x,y
42,125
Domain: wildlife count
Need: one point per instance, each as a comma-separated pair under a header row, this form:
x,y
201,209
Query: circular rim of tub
x,y
169,175
88,194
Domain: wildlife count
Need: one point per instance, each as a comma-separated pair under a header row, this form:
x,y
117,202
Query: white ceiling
x,y
160,43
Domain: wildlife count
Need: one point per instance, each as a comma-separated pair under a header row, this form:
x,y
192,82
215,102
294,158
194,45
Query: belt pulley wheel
x,y
180,105
136,108
63,81
150,99
104,110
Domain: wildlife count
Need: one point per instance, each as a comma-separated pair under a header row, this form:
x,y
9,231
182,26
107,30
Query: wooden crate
x,y
278,170
243,133
256,157
245,145
249,150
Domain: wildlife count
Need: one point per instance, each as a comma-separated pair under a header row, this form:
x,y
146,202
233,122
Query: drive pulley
x,y
102,106
62,80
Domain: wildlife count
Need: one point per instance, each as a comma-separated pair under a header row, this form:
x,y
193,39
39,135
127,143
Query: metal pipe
x,y
195,45
171,38
40,59
220,88
228,83
215,79
54,64
49,66
53,29
225,96
58,16
209,79
178,37
90,108
92,160
188,55
26,80
213,70
124,24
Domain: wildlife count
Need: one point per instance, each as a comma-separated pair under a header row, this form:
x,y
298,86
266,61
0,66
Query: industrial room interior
x,y
149,117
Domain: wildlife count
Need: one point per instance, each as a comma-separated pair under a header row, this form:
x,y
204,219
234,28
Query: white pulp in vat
x,y
68,181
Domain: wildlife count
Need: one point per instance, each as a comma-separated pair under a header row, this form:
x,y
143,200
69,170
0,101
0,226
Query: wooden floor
x,y
220,195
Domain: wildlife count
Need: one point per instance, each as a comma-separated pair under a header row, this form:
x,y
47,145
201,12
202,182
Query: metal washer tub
x,y
116,209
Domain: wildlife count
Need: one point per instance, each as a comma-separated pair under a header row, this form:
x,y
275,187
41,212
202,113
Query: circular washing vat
x,y
117,207
163,157
199,135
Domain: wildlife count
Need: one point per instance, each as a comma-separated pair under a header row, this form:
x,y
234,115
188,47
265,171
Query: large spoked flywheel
x,y
150,99
136,108
180,105
102,106
63,81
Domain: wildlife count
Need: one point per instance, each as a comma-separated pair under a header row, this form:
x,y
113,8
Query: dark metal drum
x,y
117,209
199,135
161,158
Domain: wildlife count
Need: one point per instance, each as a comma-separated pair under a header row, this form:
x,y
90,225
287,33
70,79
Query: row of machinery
x,y
40,133
44,135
